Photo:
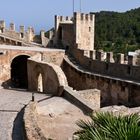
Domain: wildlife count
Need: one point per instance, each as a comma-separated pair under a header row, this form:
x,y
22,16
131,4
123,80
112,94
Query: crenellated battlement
x,y
84,17
108,57
117,65
22,34
21,29
12,27
2,24
63,19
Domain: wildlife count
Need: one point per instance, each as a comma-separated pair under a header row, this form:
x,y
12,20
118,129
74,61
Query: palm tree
x,y
106,126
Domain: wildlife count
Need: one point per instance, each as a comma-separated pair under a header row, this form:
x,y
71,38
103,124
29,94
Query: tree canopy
x,y
118,32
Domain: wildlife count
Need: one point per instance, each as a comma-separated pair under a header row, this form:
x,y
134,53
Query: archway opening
x,y
19,77
40,83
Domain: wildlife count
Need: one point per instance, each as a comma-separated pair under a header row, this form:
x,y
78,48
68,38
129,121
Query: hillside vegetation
x,y
118,32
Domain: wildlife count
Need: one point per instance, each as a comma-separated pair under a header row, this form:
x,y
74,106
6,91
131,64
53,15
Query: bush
x,y
106,126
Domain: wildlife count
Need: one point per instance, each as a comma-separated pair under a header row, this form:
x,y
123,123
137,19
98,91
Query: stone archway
x,y
19,76
40,83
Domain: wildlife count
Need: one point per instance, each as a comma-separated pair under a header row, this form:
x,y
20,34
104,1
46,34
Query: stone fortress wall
x,y
9,53
63,31
120,67
84,31
114,90
81,46
23,37
85,68
11,32
76,31
118,79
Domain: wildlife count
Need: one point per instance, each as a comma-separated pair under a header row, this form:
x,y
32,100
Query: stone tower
x,y
76,32
63,30
84,26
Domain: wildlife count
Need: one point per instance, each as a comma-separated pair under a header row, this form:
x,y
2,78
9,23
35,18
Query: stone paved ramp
x,y
11,103
57,118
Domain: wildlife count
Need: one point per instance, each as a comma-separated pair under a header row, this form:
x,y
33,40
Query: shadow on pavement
x,y
18,132
45,99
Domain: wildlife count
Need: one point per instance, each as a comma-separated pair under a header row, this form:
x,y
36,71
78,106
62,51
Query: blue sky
x,y
40,13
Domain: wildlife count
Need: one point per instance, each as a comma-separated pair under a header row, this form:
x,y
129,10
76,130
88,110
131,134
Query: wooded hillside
x,y
118,32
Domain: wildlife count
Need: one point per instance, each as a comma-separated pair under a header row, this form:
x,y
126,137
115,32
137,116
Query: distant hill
x,y
118,32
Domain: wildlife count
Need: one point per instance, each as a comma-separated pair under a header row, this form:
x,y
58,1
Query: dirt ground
x,y
57,118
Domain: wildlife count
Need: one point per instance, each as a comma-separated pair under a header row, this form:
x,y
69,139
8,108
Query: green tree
x,y
113,26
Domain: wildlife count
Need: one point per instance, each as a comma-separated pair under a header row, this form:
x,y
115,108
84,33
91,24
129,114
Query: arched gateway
x,y
19,76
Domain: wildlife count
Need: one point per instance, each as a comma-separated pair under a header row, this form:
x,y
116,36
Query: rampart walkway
x,y
19,40
25,48
79,68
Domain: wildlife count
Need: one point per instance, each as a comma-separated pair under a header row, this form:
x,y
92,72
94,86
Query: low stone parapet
x,y
92,96
32,129
80,101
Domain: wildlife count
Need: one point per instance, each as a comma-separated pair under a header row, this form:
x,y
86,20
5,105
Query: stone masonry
x,y
84,68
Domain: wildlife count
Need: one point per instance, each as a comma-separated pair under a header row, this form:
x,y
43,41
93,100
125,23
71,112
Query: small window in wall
x,y
22,35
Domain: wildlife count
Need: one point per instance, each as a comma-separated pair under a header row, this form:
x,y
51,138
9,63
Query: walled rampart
x,y
23,37
94,61
27,36
114,90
